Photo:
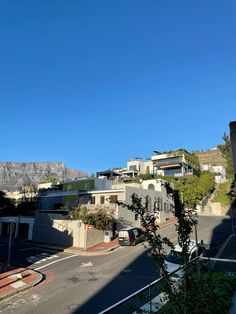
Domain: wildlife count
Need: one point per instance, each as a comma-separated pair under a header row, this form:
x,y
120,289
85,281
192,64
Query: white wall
x,y
102,184
17,220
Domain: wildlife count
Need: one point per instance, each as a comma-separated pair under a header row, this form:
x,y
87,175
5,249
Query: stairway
x,y
207,210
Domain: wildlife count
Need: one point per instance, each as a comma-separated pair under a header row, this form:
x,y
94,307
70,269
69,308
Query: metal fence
x,y
149,298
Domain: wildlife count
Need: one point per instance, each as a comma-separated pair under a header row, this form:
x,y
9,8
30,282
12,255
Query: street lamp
x,y
9,243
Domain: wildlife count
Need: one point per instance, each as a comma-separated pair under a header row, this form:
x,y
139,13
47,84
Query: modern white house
x,y
153,192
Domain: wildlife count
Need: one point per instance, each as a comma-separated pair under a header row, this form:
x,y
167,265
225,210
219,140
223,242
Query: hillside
x,y
16,174
211,157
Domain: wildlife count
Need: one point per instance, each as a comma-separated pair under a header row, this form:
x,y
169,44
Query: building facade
x,y
177,163
232,127
152,192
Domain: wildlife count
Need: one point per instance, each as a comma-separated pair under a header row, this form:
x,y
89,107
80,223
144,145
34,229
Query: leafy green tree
x,y
186,219
227,154
6,206
192,189
197,292
99,218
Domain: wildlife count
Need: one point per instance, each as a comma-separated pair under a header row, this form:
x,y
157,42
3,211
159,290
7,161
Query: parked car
x,y
173,259
131,236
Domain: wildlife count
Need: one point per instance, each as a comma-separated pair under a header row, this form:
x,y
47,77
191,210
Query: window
x,y
102,199
193,255
92,200
133,168
69,188
151,187
159,203
57,206
113,198
165,207
148,202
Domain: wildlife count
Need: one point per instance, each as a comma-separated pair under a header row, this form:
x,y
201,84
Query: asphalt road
x,y
89,284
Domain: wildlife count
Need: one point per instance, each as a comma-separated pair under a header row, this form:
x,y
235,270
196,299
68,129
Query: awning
x,y
171,166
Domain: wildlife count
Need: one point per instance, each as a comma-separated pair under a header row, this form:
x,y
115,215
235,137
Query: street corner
x,y
18,280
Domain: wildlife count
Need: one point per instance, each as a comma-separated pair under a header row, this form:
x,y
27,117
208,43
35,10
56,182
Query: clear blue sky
x,y
96,83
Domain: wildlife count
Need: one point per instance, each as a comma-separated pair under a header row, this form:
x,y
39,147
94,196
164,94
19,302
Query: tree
x,y
197,292
99,218
186,219
227,154
28,202
6,206
192,189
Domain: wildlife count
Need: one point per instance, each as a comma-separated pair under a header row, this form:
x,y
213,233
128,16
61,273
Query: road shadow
x,y
46,242
142,271
125,283
223,244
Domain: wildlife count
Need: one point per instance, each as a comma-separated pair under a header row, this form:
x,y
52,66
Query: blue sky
x,y
96,83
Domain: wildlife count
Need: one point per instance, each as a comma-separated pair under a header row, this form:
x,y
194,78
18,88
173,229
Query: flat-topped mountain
x,y
15,174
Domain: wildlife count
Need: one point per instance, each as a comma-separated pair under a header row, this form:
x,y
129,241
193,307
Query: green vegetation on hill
x,y
222,194
193,189
227,153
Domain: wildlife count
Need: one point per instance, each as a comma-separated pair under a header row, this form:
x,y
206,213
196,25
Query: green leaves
x,y
99,218
227,154
192,189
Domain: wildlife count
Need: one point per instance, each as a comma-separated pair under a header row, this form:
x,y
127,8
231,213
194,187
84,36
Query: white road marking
x,y
40,258
17,284
86,264
57,261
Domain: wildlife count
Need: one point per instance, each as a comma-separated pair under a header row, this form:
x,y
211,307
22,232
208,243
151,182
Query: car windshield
x,y
123,233
174,257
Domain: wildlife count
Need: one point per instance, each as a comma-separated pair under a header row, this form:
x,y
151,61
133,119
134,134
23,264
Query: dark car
x,y
131,236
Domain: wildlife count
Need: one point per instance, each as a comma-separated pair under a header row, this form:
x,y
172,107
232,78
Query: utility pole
x,y
9,243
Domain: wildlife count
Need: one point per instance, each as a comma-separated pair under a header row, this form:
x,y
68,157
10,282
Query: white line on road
x,y
86,264
218,259
57,261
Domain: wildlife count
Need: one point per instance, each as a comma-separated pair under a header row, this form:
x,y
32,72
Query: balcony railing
x,y
171,161
149,299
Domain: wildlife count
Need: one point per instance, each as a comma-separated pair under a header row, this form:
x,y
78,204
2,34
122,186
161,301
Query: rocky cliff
x,y
16,174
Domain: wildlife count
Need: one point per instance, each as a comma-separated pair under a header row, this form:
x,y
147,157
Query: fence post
x,y
150,298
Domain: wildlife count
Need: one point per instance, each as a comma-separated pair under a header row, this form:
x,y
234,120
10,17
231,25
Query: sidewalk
x,y
18,280
101,247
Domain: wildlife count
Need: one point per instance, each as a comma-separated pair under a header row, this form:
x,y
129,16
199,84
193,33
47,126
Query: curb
x,y
75,252
107,251
26,287
167,224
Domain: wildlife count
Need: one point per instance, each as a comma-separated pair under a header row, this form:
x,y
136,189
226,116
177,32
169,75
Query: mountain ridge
x,y
14,174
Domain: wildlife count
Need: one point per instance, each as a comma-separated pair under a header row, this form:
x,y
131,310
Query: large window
x,y
57,206
102,199
92,200
113,198
172,171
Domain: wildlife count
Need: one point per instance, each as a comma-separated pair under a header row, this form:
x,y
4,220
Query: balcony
x,y
168,161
